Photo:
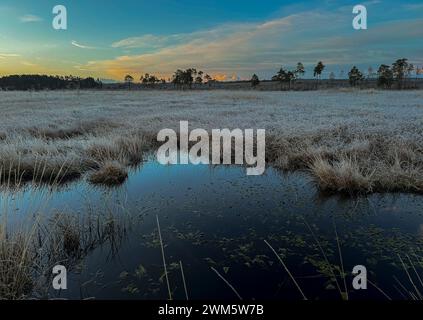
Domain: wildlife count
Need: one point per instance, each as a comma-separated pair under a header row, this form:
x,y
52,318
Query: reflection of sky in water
x,y
219,217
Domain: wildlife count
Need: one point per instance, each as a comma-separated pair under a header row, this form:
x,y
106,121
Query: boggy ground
x,y
349,140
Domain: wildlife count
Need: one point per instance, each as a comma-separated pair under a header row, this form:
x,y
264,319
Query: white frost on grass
x,y
377,133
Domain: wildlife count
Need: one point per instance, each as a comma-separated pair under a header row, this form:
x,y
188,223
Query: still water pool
x,y
217,217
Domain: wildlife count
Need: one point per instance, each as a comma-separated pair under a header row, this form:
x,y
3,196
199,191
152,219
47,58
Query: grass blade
x,y
183,279
228,284
287,270
164,259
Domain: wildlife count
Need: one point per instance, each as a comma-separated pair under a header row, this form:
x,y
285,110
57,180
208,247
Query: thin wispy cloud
x,y
8,55
413,7
145,41
81,46
28,63
262,47
161,41
232,47
29,18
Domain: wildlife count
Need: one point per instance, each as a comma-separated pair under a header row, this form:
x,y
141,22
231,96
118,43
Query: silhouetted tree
x,y
300,70
189,75
144,78
199,78
401,69
385,76
255,81
208,79
89,83
43,82
284,76
149,79
128,80
185,78
318,69
355,76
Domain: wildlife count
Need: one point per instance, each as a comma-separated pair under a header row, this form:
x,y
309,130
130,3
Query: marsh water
x,y
219,217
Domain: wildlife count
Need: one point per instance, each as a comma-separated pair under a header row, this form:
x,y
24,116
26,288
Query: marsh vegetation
x,y
349,141
216,223
60,151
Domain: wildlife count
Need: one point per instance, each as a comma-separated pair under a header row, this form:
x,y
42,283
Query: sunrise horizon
x,y
227,44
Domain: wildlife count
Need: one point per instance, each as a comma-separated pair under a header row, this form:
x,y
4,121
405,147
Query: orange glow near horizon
x,y
116,74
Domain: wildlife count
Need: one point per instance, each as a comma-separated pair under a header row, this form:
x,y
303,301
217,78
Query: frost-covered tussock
x,y
350,141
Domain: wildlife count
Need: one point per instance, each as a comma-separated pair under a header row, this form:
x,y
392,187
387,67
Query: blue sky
x,y
226,38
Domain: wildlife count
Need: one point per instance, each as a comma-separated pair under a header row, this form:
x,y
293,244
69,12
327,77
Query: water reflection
x,y
219,217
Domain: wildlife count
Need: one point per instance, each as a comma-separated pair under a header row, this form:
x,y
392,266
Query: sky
x,y
228,39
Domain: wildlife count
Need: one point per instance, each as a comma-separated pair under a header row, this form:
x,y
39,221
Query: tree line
x,y
386,76
44,82
399,72
180,79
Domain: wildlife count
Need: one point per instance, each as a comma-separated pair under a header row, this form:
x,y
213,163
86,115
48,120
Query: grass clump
x,y
366,141
15,266
71,237
342,160
343,176
109,174
43,169
28,253
128,149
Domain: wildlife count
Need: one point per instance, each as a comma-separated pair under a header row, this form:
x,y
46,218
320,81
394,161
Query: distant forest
x,y
396,76
43,82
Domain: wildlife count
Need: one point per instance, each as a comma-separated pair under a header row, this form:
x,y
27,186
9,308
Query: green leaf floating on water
x,y
140,271
330,286
210,261
161,279
131,288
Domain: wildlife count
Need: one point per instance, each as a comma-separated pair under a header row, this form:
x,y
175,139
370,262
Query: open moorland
x,y
344,141
348,140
